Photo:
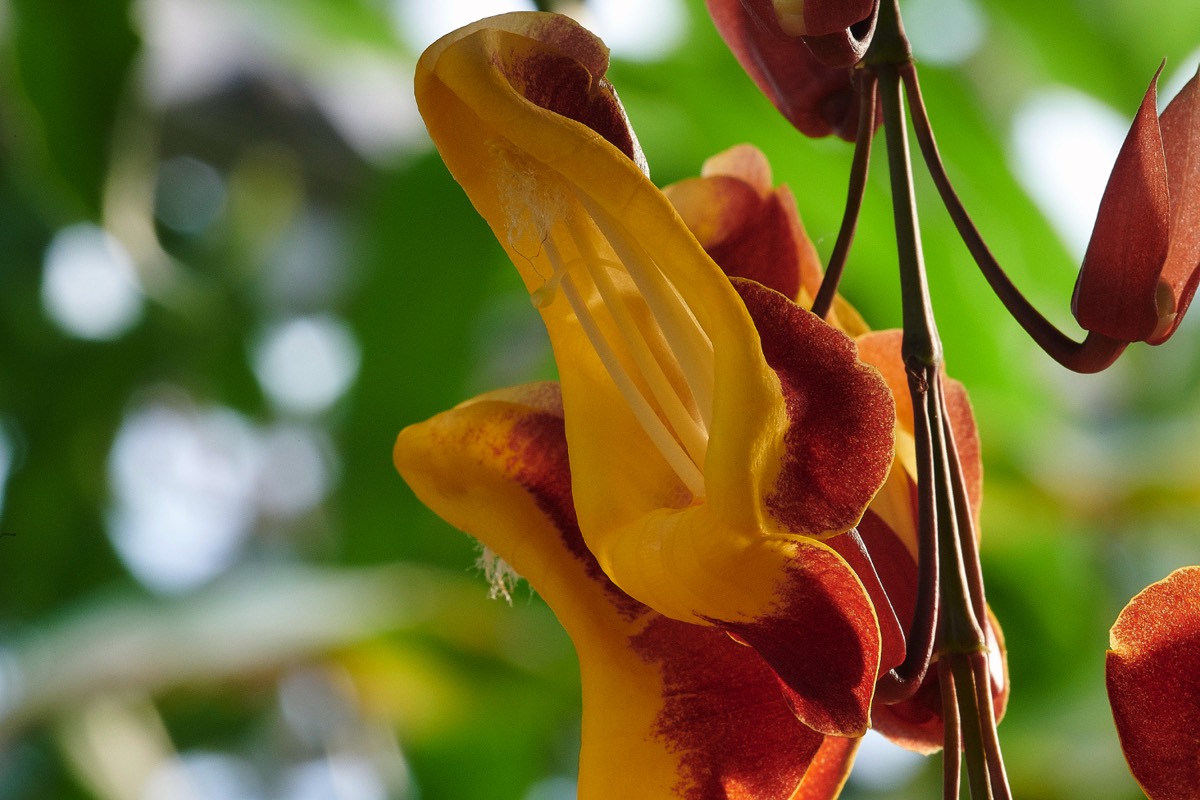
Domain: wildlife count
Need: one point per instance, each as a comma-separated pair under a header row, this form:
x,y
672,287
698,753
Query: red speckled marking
x,y
566,76
839,444
725,714
1153,674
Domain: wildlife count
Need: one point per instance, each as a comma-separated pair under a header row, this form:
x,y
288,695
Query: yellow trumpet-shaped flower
x,y
715,433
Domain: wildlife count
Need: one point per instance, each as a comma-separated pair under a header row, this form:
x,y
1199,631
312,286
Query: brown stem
x,y
1096,351
859,168
951,736
902,682
991,740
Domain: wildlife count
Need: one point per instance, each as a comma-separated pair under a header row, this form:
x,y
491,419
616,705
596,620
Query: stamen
x,y
686,338
672,451
680,412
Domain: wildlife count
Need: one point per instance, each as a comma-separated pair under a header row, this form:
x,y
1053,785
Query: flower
x,y
808,77
716,432
1142,264
1151,672
744,223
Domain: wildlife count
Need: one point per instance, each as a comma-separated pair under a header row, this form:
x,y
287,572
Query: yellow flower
x,y
713,436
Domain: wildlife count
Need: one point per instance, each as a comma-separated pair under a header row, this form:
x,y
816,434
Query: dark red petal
x,y
1153,672
1181,142
725,714
850,31
748,235
822,640
560,67
822,17
839,444
817,99
1117,291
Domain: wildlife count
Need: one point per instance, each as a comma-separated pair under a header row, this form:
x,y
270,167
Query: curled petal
x,y
669,709
1117,292
819,100
1181,142
753,230
749,228
1151,674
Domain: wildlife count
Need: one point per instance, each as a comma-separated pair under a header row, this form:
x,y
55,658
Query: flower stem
x,y
854,195
947,548
1096,351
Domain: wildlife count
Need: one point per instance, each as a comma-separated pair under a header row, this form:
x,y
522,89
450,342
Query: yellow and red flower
x,y
693,482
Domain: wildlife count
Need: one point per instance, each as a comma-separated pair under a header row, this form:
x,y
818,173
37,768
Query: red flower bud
x,y
807,76
1143,262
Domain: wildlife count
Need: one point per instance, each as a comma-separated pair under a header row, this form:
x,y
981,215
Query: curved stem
x,y
902,682
1096,351
859,168
991,740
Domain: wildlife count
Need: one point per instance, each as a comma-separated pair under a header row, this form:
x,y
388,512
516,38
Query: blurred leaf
x,y
73,61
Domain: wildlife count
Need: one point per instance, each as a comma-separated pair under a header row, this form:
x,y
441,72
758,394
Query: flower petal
x,y
1117,292
1151,673
817,99
670,709
750,229
828,772
839,444
1181,142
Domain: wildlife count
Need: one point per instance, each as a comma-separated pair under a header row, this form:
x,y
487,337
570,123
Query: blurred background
x,y
233,268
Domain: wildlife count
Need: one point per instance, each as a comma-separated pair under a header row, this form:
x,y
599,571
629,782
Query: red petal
x,y
822,641
750,230
1117,291
817,99
829,770
1181,142
823,17
837,408
724,713
1152,672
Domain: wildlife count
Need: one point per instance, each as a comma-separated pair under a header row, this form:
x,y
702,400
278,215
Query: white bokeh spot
x,y
89,285
305,364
